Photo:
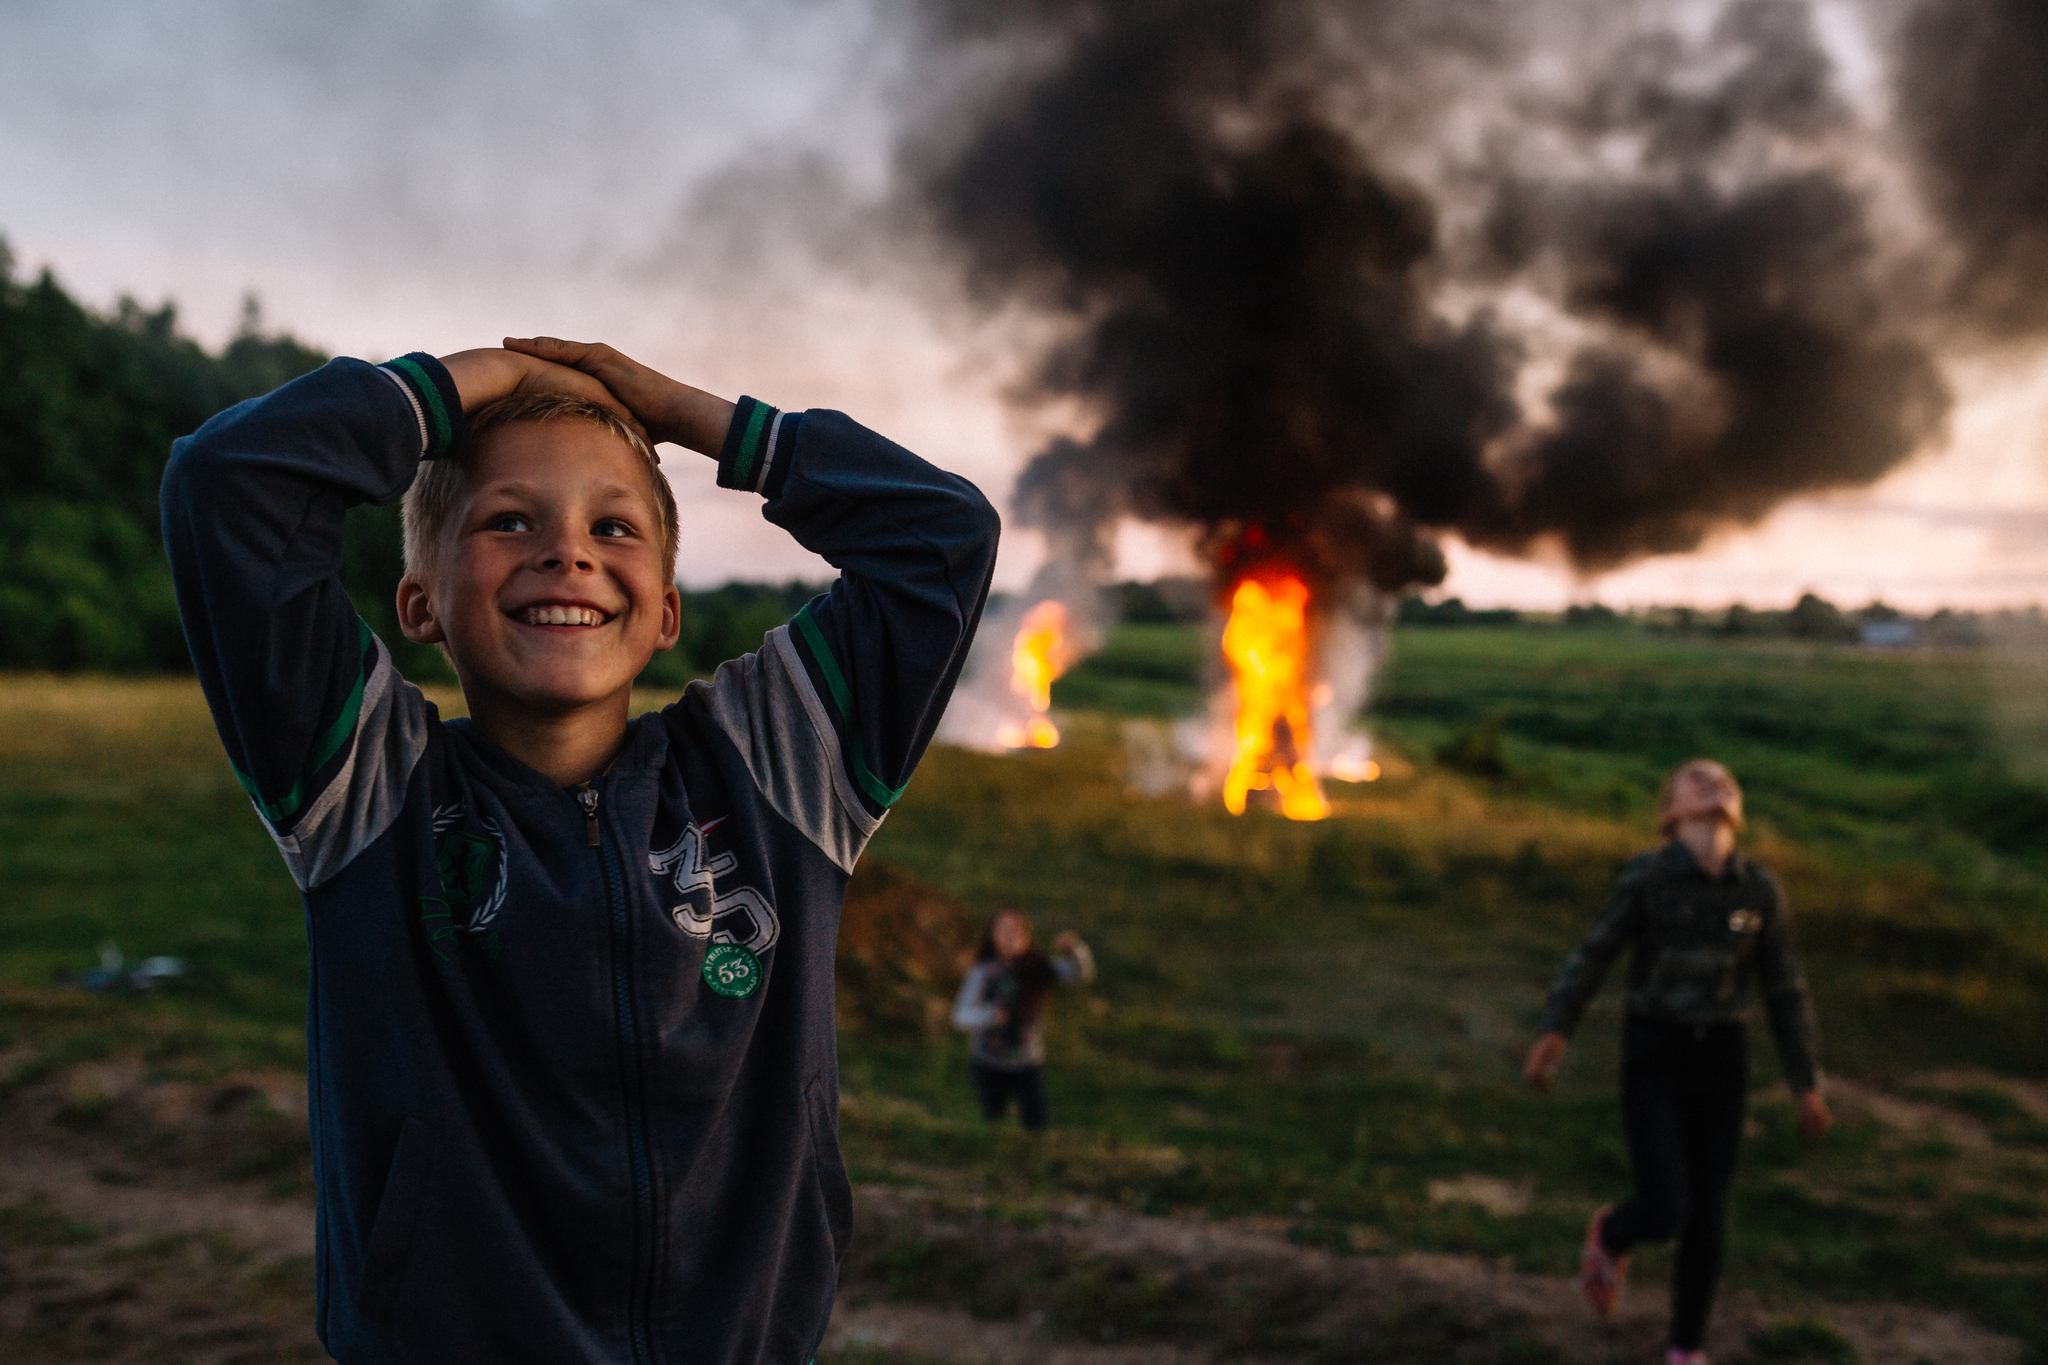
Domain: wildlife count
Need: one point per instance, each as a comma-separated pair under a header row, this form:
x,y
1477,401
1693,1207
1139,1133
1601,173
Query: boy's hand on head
x,y
487,374
669,410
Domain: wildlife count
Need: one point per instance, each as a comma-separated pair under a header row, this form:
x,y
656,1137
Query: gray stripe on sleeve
x,y
765,705
768,452
366,795
412,400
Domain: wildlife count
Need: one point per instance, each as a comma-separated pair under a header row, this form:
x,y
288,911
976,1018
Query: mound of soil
x,y
903,947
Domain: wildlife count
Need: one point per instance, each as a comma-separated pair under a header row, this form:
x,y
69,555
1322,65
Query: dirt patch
x,y
1199,1290
955,1335
1909,1115
248,1125
2028,1097
1504,1198
146,1220
903,947
157,1270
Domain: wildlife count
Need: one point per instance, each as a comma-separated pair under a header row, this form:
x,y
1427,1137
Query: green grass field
x,y
1307,1022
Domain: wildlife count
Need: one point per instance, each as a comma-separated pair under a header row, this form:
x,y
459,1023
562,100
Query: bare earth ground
x,y
171,1221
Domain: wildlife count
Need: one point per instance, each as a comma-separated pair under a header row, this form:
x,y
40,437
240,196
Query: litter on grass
x,y
115,975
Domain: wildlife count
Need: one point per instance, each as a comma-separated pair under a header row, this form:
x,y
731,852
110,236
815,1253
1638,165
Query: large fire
x,y
1039,655
1267,644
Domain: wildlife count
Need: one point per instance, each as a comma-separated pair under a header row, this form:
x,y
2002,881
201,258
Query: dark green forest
x,y
89,405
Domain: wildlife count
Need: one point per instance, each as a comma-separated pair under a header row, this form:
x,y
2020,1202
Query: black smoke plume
x,y
1293,340
1972,82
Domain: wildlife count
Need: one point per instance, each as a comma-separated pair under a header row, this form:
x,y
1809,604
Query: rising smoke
x,y
1973,102
1342,275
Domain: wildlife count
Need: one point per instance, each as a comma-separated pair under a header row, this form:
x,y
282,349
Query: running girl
x,y
1708,928
1002,1003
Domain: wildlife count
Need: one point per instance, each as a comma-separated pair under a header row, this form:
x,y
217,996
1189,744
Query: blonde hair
x,y
1665,822
438,487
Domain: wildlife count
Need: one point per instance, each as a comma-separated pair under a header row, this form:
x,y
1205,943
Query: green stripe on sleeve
x,y
875,789
324,748
835,682
750,445
430,394
344,725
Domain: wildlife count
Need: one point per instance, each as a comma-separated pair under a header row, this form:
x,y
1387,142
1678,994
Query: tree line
x,y
89,405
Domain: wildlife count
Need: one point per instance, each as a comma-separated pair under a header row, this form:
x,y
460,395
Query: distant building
x,y
1894,634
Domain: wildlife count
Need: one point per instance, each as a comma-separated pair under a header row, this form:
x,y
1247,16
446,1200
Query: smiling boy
x,y
571,1047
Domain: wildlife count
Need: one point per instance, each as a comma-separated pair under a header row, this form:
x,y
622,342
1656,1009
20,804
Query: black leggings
x,y
1684,1090
996,1084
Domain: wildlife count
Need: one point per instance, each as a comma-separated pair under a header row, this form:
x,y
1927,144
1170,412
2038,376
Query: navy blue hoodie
x,y
570,1103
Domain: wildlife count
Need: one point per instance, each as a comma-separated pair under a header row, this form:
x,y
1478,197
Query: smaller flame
x,y
1038,656
1267,643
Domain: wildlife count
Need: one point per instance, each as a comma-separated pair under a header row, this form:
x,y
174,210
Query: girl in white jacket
x,y
1002,1003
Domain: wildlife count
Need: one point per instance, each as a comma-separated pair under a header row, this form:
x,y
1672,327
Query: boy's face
x,y
551,591
1705,791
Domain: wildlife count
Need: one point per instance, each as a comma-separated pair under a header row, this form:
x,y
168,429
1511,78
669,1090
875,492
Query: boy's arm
x,y
317,723
1586,967
318,727
915,547
1788,1004
869,664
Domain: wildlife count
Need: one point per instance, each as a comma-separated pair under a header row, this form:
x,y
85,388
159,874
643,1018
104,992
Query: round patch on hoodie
x,y
732,971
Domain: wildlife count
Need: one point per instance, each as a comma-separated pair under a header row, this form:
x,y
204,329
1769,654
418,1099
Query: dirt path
x,y
168,1270
1447,1306
107,1255
108,1200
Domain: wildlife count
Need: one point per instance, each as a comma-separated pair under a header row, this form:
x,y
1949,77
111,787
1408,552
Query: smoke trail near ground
x,y
1338,276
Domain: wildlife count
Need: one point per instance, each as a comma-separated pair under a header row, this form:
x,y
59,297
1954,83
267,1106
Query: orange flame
x,y
1038,656
1267,644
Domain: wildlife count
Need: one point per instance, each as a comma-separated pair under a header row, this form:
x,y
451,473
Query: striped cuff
x,y
436,405
760,446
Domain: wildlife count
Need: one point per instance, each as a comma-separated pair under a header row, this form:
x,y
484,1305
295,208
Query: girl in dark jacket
x,y
1002,1003
1708,929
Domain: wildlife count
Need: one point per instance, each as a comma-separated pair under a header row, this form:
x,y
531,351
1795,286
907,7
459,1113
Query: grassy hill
x,y
1317,1024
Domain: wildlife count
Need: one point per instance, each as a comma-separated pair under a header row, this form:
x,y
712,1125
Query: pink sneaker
x,y
1674,1356
1601,1276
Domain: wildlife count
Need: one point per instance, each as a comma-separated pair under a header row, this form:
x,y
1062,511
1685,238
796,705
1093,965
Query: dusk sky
x,y
699,184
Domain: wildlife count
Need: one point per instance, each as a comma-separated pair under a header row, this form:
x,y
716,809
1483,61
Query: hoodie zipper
x,y
629,1066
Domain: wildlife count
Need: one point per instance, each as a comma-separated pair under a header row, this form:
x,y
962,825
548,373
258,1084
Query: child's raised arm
x,y
871,663
319,727
1073,961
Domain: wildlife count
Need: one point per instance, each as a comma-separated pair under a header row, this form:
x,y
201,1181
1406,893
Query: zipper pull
x,y
586,796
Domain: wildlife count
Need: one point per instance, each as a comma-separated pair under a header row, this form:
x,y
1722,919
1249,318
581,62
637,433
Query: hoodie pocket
x,y
828,1170
398,1216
